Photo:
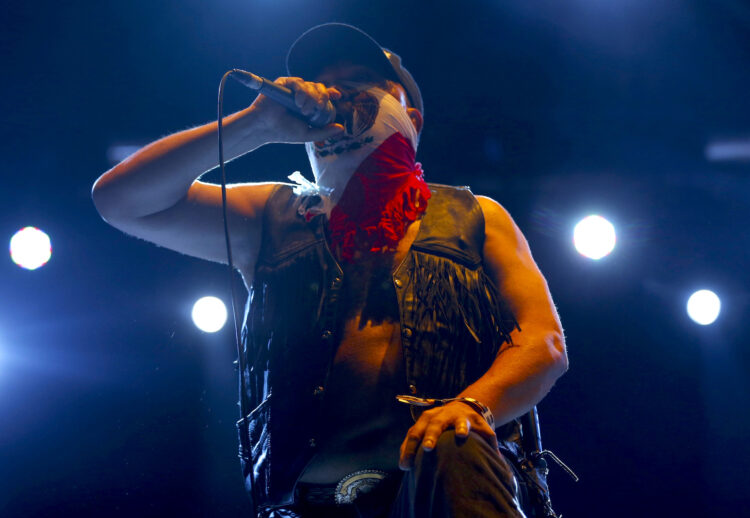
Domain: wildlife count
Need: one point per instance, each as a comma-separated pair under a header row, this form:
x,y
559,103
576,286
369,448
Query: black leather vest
x,y
453,323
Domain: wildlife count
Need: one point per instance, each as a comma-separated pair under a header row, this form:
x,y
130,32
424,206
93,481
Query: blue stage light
x,y
594,237
703,307
30,248
209,314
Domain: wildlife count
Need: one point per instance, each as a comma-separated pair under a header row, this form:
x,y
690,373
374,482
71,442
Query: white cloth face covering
x,y
374,117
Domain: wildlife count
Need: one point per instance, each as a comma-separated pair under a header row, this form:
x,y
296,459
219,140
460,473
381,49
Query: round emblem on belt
x,y
357,484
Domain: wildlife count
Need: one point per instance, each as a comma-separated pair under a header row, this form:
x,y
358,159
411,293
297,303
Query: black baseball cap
x,y
326,44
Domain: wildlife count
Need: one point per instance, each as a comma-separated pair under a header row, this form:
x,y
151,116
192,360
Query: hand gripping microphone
x,y
285,97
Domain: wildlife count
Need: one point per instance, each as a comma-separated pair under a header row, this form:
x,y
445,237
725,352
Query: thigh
x,y
459,478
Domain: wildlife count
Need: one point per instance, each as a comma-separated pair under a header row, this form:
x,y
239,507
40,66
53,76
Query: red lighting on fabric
x,y
384,195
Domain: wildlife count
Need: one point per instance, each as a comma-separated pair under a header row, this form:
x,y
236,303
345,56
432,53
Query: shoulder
x,y
503,238
498,220
493,212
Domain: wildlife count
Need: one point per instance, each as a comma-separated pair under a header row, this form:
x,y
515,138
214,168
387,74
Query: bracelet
x,y
479,407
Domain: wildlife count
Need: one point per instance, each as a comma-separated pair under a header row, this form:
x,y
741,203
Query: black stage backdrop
x,y
113,404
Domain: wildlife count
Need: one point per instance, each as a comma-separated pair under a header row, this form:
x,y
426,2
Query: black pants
x,y
457,479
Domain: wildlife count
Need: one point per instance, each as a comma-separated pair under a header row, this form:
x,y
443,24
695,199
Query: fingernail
x,y
428,443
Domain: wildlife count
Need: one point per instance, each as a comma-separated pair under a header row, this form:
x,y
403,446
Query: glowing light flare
x,y
119,152
703,307
30,248
209,314
729,150
594,237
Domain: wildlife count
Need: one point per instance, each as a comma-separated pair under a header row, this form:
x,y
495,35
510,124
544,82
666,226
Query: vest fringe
x,y
464,298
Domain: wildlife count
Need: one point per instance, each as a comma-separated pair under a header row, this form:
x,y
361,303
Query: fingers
x,y
412,442
431,425
282,126
432,433
309,97
407,451
426,432
334,93
462,426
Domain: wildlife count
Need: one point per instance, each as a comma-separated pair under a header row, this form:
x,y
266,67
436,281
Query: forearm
x,y
518,379
160,174
521,375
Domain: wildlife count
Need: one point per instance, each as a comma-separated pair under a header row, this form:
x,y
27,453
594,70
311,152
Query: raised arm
x,y
155,195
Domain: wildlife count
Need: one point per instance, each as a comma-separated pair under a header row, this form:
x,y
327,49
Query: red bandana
x,y
384,195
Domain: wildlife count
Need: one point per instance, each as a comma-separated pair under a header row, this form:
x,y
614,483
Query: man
x,y
367,285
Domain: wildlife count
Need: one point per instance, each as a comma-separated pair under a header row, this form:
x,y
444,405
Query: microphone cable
x,y
319,119
237,327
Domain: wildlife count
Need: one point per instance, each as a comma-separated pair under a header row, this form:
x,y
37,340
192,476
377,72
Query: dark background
x,y
113,404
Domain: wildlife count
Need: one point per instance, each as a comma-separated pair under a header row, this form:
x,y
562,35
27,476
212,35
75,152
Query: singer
x,y
395,331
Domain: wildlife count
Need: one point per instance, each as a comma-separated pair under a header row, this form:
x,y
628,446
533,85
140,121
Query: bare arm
x,y
155,195
160,174
523,373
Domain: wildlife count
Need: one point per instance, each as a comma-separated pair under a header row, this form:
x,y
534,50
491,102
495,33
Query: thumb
x,y
325,132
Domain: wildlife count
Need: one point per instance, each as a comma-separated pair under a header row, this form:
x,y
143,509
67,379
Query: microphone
x,y
285,97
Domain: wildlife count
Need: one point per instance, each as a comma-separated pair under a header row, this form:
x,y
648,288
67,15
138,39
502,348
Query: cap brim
x,y
331,43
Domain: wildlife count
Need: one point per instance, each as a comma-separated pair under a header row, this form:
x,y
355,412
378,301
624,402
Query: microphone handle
x,y
285,97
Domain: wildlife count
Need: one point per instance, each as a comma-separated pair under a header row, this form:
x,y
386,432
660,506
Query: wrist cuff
x,y
479,407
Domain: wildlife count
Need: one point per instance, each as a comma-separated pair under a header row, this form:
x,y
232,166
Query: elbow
x,y
558,356
96,197
108,200
100,200
545,342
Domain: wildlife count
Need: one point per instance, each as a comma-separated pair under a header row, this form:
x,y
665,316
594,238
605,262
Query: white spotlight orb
x,y
209,314
30,248
703,307
594,237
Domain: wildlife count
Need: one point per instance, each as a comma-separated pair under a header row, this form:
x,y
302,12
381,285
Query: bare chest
x,y
369,307
369,361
